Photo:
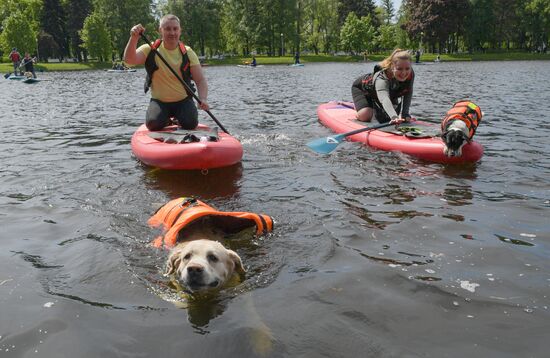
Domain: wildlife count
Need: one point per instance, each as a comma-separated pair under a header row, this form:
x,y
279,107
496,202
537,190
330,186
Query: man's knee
x,y
154,124
188,115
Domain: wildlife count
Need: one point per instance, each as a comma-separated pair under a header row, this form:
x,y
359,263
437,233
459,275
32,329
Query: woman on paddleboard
x,y
377,93
169,98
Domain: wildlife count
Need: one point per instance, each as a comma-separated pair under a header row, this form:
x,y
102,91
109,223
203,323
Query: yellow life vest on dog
x,y
466,111
178,213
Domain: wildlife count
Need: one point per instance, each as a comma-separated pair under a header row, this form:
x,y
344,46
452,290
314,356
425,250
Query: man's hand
x,y
137,30
204,105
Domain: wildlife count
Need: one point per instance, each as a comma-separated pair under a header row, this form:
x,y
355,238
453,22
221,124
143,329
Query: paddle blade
x,y
325,145
7,75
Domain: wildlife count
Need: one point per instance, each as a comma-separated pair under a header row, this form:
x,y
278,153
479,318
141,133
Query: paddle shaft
x,y
381,125
23,63
185,85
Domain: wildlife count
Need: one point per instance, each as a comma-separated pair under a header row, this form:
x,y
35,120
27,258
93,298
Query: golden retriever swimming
x,y
201,265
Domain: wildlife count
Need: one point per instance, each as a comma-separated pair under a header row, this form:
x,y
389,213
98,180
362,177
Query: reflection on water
x,y
368,245
210,184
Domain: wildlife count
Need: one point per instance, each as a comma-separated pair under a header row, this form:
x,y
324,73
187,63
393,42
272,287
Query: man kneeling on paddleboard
x,y
170,97
378,92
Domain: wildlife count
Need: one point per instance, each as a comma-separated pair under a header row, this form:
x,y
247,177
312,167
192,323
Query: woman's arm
x,y
407,102
382,86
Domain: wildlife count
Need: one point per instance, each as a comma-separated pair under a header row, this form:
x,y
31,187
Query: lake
x,y
374,254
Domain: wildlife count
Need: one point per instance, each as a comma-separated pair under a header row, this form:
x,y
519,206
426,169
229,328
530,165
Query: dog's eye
x,y
212,257
187,257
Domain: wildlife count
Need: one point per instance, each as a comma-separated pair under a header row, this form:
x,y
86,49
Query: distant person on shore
x,y
438,58
377,93
297,58
28,64
253,64
169,98
15,58
417,55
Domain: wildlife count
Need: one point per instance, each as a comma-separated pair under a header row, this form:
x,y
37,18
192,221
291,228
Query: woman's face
x,y
401,70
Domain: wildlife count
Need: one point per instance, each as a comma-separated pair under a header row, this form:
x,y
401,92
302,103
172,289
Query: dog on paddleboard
x,y
459,126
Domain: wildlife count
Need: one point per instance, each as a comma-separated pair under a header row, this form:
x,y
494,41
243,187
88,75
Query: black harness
x,y
151,66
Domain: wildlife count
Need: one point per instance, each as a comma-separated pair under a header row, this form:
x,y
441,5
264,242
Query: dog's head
x,y
202,265
455,137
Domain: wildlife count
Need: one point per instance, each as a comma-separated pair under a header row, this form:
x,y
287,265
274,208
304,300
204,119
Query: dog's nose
x,y
195,270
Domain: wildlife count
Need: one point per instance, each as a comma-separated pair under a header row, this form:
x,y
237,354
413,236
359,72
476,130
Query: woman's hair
x,y
397,54
168,18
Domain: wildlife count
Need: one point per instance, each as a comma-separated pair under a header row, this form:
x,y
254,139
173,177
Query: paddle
x,y
7,75
328,144
185,85
23,63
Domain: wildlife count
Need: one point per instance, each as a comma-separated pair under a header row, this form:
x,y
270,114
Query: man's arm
x,y
202,86
131,56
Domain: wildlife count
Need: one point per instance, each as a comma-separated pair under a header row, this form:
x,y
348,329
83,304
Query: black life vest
x,y
151,66
397,88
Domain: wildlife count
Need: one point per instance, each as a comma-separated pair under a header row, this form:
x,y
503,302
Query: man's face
x,y
170,31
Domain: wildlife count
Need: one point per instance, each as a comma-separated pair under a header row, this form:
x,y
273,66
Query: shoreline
x,y
287,60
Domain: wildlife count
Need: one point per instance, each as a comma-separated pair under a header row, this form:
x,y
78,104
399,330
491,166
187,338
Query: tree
x,y
387,38
95,37
431,22
480,25
359,7
322,32
18,32
77,11
357,35
537,24
48,47
120,16
389,10
53,22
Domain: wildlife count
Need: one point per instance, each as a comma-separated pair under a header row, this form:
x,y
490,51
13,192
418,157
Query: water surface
x,y
374,254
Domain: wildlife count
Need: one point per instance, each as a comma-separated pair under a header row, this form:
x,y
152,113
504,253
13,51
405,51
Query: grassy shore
x,y
286,60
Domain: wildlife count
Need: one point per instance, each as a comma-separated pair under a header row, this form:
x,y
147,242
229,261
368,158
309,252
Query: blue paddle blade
x,y
327,144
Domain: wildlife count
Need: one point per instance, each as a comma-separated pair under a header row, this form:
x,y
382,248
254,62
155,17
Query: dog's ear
x,y
173,262
239,268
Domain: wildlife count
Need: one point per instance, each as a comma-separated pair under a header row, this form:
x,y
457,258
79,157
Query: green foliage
x,y
199,22
357,35
322,32
53,22
95,37
389,11
77,11
387,38
361,8
478,31
120,16
255,26
18,32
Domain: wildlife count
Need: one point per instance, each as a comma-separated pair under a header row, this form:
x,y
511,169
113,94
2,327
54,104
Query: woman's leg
x,y
363,104
365,114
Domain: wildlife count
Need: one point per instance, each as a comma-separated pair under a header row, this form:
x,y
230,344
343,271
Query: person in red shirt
x,y
15,58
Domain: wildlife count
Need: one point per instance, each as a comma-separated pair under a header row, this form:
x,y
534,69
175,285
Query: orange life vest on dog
x,y
466,111
178,213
